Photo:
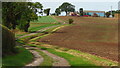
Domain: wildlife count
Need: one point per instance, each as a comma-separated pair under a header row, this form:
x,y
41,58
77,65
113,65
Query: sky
x,y
76,0
95,5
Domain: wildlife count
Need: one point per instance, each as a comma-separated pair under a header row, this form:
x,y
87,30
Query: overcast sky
x,y
96,5
76,0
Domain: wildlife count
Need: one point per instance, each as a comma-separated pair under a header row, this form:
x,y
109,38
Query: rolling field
x,y
97,36
45,19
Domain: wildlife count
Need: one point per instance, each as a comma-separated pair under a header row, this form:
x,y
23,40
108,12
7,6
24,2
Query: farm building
x,y
99,13
73,14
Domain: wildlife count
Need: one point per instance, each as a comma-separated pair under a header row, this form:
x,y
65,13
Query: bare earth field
x,y
98,36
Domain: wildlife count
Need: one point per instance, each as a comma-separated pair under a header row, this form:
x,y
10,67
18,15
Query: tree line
x,y
19,14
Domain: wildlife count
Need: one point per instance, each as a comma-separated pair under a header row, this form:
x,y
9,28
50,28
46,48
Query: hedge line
x,y
8,41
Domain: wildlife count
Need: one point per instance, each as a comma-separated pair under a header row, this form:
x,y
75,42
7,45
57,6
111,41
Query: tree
x,y
117,11
41,12
107,14
57,11
47,11
81,11
67,7
19,14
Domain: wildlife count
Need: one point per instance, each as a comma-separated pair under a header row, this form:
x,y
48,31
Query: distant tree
x,y
67,7
41,12
117,11
53,14
113,13
57,11
107,14
47,11
81,11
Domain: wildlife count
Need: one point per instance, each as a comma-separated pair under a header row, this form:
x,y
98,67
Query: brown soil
x,y
96,36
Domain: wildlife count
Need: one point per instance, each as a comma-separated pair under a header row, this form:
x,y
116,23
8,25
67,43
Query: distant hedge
x,y
8,41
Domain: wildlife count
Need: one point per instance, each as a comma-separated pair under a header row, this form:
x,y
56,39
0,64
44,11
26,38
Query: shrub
x,y
71,21
8,41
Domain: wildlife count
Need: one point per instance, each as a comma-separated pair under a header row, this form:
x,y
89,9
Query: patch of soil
x,y
98,38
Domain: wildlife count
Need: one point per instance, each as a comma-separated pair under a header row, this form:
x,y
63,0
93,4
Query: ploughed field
x,y
98,36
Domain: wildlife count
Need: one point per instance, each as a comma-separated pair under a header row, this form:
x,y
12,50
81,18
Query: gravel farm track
x,y
98,36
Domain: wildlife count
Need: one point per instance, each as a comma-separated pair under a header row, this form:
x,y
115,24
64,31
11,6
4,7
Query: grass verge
x,y
94,58
73,60
20,59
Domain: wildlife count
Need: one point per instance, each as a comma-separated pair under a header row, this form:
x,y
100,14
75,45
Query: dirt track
x,y
95,36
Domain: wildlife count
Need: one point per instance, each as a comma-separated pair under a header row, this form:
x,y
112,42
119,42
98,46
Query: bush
x,y
8,41
71,21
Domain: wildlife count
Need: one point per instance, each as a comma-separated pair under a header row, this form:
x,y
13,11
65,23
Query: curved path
x,y
41,30
38,59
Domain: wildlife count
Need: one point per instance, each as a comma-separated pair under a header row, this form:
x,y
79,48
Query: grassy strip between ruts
x,y
47,63
47,60
19,60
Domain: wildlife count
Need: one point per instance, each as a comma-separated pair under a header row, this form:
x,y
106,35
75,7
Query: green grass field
x,y
19,59
45,19
33,29
42,22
